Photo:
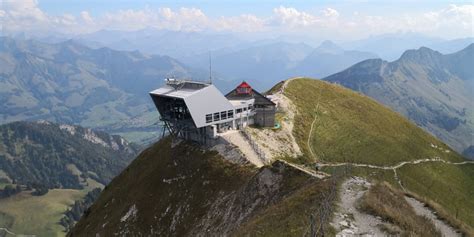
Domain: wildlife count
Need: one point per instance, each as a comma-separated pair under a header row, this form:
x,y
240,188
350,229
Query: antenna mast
x,y
210,68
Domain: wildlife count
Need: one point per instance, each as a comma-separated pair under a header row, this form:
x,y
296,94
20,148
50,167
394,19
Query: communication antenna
x,y
210,68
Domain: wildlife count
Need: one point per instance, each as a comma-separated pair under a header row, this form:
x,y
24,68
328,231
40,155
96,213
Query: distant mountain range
x,y
177,44
71,83
265,64
188,45
391,46
329,58
261,65
266,61
433,90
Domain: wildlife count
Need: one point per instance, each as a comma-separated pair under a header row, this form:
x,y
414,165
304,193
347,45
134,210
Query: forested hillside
x,y
60,156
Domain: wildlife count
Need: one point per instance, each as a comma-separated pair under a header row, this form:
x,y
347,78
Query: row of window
x,y
224,114
219,116
244,109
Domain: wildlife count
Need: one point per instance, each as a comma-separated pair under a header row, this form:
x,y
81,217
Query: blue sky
x,y
228,8
324,19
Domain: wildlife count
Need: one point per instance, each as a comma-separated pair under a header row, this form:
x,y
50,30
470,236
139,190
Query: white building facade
x,y
199,111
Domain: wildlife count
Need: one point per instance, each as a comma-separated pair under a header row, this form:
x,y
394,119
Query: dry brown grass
x,y
442,214
390,204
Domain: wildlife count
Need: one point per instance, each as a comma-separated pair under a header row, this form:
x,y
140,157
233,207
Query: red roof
x,y
244,85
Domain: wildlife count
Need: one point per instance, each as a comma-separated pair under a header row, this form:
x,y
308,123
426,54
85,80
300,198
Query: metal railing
x,y
260,153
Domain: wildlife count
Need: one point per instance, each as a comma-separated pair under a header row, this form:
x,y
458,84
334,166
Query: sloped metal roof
x,y
171,92
201,101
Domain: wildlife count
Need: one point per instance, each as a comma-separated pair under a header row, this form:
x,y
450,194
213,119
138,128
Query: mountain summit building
x,y
199,111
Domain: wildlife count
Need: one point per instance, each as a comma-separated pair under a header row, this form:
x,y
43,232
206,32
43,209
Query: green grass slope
x,y
184,191
431,89
350,127
25,214
334,124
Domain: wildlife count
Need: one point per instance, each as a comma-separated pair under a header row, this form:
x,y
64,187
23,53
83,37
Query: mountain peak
x,y
423,54
467,49
328,46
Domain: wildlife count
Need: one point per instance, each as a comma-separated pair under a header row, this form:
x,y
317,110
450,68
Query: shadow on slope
x,y
185,191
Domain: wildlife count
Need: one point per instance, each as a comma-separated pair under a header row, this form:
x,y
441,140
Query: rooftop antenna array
x,y
210,68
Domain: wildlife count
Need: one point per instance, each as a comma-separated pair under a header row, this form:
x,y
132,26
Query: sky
x,y
352,19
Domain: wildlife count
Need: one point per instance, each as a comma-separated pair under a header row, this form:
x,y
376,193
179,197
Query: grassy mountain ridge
x,y
431,89
339,125
349,127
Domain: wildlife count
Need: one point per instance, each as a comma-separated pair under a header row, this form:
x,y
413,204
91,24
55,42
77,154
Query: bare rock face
x,y
229,211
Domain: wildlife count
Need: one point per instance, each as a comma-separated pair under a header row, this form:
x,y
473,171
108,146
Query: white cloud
x,y
458,15
23,10
23,5
293,18
242,23
185,19
450,21
330,12
86,17
25,15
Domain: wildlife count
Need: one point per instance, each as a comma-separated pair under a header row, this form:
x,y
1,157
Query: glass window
x,y
250,107
216,117
223,115
208,118
245,109
239,110
230,114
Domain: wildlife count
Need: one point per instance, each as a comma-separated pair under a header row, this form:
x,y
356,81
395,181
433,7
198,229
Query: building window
x,y
223,115
250,107
245,109
239,110
208,118
216,117
230,114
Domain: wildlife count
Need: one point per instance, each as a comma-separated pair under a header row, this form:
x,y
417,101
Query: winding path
x,y
316,174
310,148
308,142
12,233
397,166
